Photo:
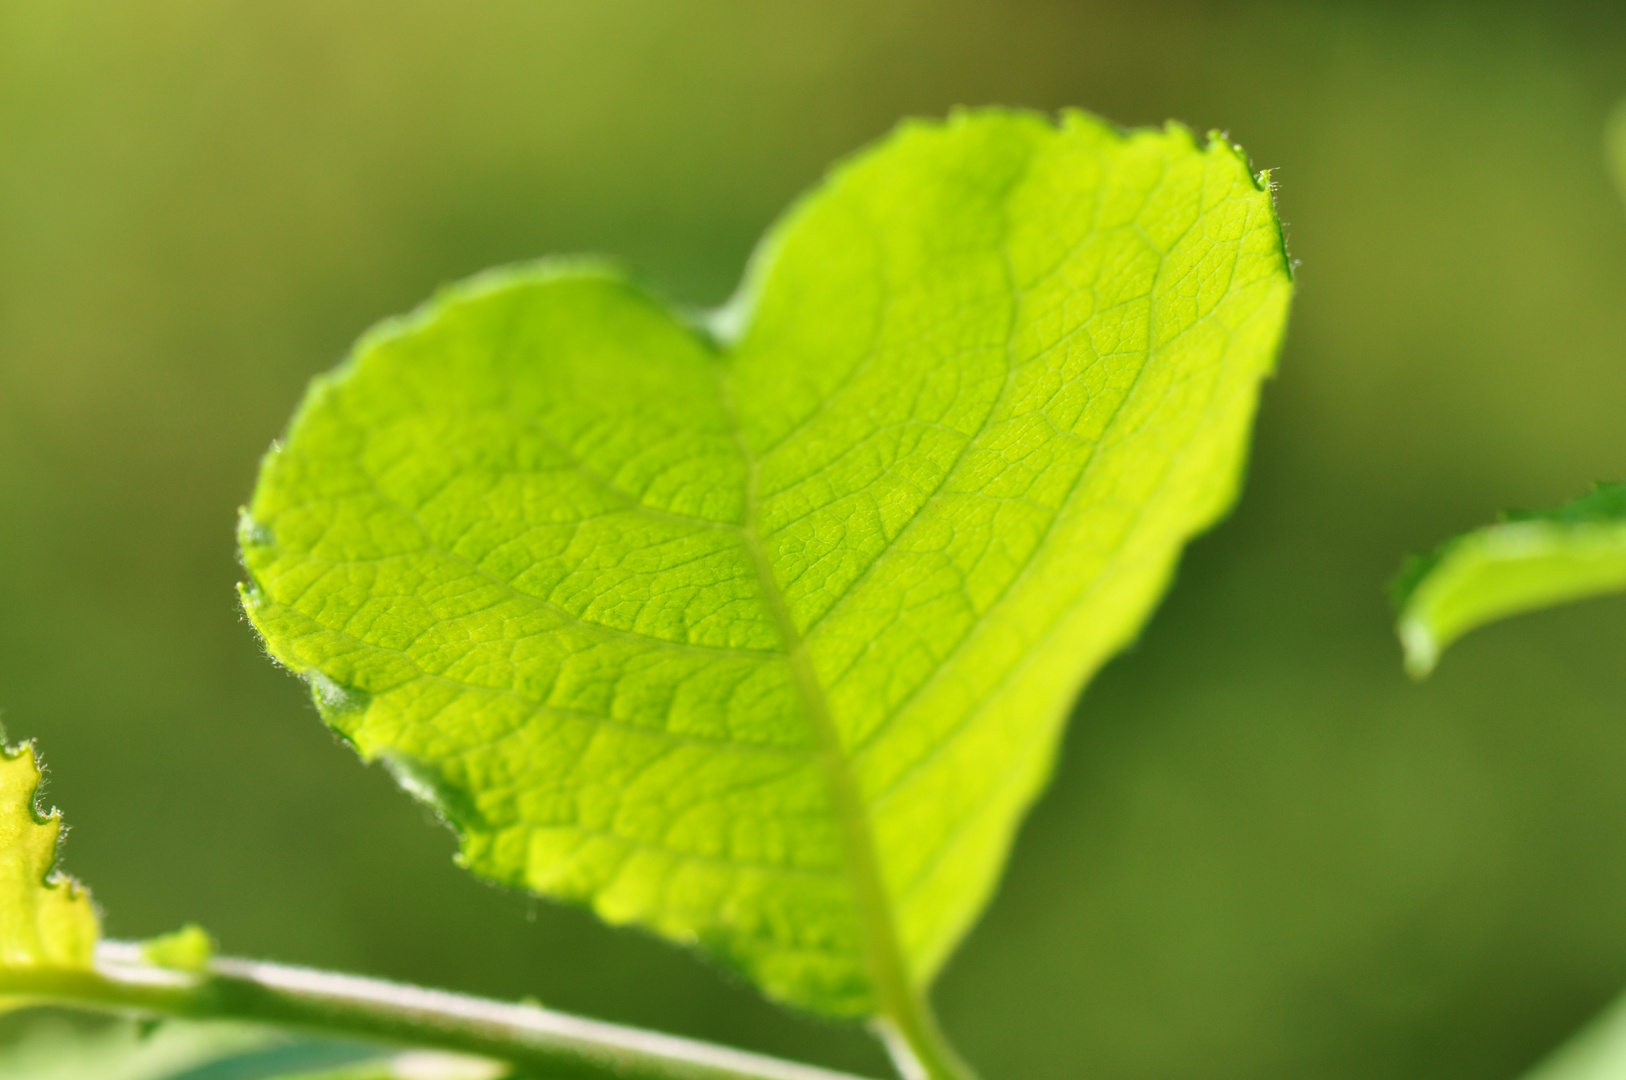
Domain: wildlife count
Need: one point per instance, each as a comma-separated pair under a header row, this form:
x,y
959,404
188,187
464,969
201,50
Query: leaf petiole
x,y
918,1046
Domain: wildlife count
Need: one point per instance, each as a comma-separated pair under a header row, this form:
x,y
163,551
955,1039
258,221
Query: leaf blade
x,y
981,386
46,919
1007,420
1525,562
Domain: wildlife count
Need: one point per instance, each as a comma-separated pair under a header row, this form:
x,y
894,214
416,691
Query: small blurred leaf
x,y
188,949
763,638
1615,147
1529,560
53,1045
413,1065
48,1045
1596,1052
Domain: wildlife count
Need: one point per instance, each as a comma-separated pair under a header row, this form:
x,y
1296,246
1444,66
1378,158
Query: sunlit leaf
x,y
759,630
188,949
46,919
1524,562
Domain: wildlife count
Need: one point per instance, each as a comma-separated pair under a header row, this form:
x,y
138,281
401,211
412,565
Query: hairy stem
x,y
554,1044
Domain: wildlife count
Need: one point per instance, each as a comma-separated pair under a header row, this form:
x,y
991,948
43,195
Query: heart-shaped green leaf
x,y
760,630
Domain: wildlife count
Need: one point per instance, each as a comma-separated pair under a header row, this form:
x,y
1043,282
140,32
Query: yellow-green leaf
x,y
46,919
1524,562
188,949
759,630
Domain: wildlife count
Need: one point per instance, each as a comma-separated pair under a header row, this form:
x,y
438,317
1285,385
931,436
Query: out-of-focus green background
x,y
1266,854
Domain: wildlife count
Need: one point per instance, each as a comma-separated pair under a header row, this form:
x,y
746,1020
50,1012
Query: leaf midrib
x,y
895,996
883,954
875,908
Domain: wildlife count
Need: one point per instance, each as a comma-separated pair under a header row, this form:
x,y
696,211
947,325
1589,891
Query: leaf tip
x,y
24,777
1419,644
1420,647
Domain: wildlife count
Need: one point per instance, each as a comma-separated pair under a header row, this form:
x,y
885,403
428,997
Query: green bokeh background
x,y
1266,854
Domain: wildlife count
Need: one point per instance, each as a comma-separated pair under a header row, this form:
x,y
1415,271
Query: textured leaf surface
x,y
761,634
1526,561
46,920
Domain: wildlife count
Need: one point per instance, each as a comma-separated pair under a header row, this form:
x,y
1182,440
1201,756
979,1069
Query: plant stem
x,y
346,1006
